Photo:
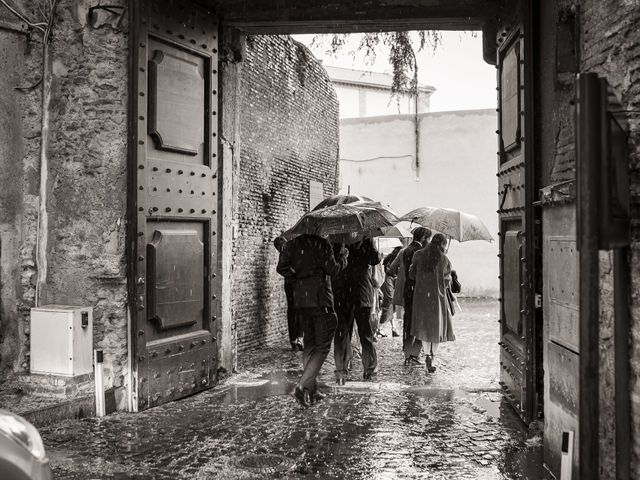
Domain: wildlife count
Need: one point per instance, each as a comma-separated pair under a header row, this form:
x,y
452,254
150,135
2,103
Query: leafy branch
x,y
403,48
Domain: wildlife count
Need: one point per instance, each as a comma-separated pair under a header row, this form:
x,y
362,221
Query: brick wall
x,y
86,203
289,136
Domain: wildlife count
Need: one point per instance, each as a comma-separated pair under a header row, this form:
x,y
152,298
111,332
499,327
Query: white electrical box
x,y
62,340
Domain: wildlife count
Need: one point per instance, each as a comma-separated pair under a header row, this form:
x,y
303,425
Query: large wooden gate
x,y
173,201
518,236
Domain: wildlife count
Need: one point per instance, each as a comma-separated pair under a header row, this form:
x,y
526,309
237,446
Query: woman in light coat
x,y
431,270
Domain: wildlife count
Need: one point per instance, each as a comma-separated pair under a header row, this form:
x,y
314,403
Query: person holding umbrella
x,y
354,301
411,346
293,325
310,262
430,271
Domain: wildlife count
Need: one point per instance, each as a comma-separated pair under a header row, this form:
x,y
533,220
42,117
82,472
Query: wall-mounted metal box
x,y
62,340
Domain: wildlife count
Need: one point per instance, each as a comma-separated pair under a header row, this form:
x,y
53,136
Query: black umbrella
x,y
339,200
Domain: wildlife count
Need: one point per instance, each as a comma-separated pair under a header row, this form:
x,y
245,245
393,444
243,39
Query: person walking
x,y
310,262
411,345
354,301
431,316
388,291
293,324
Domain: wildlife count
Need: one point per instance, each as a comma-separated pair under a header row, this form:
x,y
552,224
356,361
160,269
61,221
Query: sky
x,y
456,69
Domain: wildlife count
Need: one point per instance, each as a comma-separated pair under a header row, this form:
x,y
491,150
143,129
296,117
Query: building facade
x,y
368,94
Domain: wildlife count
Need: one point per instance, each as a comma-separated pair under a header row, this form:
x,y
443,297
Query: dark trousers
x,y
411,345
319,328
347,314
295,329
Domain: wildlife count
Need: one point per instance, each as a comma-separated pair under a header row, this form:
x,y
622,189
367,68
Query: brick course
x,y
289,136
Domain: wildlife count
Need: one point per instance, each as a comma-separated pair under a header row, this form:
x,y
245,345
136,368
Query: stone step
x,y
56,386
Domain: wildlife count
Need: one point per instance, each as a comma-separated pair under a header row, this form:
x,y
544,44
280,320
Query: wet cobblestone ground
x,y
449,425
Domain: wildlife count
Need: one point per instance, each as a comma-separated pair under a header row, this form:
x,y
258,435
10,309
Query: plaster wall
x,y
457,170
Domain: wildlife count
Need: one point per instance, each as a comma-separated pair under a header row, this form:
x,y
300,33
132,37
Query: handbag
x,y
456,287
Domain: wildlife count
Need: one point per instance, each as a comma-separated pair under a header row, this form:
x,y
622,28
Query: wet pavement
x,y
447,425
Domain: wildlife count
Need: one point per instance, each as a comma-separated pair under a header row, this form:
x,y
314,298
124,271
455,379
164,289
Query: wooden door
x,y
518,314
173,202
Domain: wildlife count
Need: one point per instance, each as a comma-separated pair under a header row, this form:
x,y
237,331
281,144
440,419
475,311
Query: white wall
x,y
458,170
360,101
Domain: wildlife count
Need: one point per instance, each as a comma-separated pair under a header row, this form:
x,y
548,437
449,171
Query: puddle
x,y
250,390
490,406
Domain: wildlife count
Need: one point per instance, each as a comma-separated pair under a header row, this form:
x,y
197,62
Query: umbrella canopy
x,y
340,199
397,231
350,221
454,223
386,244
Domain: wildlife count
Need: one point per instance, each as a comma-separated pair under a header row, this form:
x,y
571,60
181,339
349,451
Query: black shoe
x,y
299,345
370,377
394,333
412,360
429,363
302,396
317,396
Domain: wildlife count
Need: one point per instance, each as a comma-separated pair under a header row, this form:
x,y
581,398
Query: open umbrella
x,y
397,231
340,199
348,221
454,223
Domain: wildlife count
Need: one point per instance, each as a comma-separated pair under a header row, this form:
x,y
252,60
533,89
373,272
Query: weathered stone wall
x,y
86,203
18,191
289,135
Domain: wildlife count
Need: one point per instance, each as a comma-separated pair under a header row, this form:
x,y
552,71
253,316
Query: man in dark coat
x,y
310,262
355,292
412,346
293,324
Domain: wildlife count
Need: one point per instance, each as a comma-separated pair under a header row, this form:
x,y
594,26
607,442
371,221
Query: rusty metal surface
x,y
512,252
175,293
563,385
562,291
176,279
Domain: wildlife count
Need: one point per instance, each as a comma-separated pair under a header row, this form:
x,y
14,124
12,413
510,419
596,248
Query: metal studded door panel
x,y
517,342
174,288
